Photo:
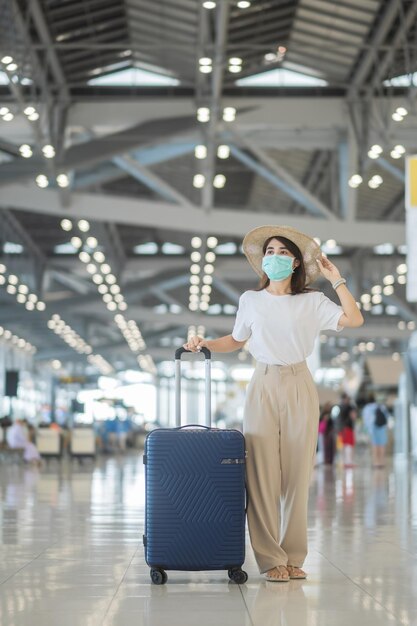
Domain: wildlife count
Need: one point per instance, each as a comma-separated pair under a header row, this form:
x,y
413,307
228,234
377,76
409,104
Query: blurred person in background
x,y
375,418
348,436
18,438
327,432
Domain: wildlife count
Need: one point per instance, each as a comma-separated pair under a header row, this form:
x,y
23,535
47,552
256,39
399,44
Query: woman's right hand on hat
x,y
195,344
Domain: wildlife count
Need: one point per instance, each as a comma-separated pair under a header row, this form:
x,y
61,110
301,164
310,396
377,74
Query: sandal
x,y
294,575
282,570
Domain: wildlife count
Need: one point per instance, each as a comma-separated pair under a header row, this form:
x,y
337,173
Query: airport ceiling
x,y
163,120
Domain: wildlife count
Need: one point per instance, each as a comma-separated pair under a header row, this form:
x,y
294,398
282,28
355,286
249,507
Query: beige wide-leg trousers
x,y
281,428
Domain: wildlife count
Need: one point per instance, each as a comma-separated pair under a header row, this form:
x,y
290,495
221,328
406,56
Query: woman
x,y
282,320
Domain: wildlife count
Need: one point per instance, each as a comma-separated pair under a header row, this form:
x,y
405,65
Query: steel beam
x,y
281,178
221,221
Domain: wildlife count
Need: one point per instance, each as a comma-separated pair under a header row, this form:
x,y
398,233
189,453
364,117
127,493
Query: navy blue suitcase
x,y
195,495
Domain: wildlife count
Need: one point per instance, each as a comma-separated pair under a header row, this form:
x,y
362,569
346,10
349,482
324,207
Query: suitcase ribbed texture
x,y
195,518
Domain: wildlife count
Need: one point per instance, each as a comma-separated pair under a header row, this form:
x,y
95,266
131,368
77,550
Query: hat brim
x,y
310,249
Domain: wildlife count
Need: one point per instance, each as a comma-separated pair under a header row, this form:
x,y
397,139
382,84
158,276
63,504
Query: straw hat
x,y
255,239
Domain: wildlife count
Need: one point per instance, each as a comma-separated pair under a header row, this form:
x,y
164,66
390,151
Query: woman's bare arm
x,y
222,344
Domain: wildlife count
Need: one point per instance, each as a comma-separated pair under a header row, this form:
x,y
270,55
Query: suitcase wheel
x,y
238,576
159,576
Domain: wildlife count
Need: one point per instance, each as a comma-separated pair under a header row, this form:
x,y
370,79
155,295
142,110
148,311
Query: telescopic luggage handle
x,y
207,357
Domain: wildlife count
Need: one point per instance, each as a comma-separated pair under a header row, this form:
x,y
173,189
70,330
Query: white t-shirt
x,y
283,329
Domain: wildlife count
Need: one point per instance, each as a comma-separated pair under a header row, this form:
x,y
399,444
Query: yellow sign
x,y
411,183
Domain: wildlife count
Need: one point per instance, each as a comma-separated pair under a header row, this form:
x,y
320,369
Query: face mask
x,y
277,266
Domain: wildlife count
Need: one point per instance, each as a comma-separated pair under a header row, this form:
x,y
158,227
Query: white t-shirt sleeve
x,y
241,330
328,313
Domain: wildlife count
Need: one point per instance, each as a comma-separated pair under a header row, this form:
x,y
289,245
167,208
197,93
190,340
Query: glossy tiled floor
x,y
71,554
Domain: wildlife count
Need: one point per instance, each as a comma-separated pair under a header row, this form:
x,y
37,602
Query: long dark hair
x,y
298,278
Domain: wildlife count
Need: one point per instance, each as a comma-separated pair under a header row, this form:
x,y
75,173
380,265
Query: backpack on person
x,y
380,417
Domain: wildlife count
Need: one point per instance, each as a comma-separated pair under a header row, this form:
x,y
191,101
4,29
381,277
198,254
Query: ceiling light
x,y
84,256
91,242
8,117
11,289
84,226
207,280
26,151
91,268
107,297
206,69
97,279
32,297
204,306
411,325
99,256
199,180
112,306
29,111
377,148
243,4
235,61
4,110
196,242
12,67
118,297
76,242
194,280
401,111
397,117
355,181
219,181
195,269
194,289
223,152
388,290
229,114
195,256
33,117
205,61
122,306
388,280
399,148
373,155
200,152
62,180
193,306
235,69
7,59
30,306
210,257
23,289
205,297
105,268
41,305
13,279
365,298
48,151
395,155
209,4
111,279
206,289
42,181
115,289
102,289
212,242
66,225
2,268
402,280
208,269
376,289
203,114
